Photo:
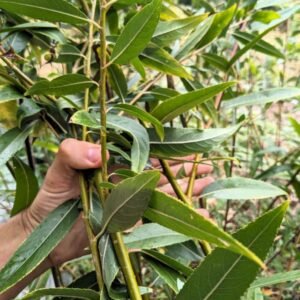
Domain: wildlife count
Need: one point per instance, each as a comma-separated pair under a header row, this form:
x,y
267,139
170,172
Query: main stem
x,y
117,238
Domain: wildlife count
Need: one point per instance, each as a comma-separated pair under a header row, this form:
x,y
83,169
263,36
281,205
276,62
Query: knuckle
x,y
66,146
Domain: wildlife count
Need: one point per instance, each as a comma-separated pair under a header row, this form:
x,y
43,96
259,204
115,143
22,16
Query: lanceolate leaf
x,y
31,25
276,279
226,276
118,81
109,261
169,212
11,142
73,293
238,188
220,22
169,31
137,33
261,46
140,146
53,11
9,93
144,116
150,236
173,107
64,85
128,201
195,38
39,244
169,261
159,59
27,186
172,278
263,97
185,141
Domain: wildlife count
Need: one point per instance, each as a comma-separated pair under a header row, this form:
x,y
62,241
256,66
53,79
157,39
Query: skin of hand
x,y
62,184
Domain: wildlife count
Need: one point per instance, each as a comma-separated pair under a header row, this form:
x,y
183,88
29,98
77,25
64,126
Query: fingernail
x,y
94,155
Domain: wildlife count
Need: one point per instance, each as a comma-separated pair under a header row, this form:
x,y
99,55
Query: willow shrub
x,y
131,74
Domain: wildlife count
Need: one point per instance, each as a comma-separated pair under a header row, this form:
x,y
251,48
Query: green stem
x,y
176,187
126,266
93,241
120,248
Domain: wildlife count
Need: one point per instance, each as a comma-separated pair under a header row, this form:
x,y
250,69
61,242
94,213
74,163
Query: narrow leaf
x,y
53,11
169,212
128,201
226,276
64,85
74,293
27,186
137,33
39,244
261,46
262,97
276,279
238,188
11,142
150,236
173,107
169,31
186,141
144,116
118,81
160,60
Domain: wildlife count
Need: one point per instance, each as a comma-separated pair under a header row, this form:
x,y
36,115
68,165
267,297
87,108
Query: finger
x,y
72,155
188,169
203,212
156,164
200,185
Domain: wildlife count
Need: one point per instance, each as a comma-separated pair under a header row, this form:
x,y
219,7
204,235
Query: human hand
x,y
60,185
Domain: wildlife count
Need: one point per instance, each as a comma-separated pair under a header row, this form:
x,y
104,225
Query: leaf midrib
x,y
48,9
239,258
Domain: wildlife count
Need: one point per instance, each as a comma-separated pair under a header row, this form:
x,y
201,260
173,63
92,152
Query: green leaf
x,y
226,276
185,141
276,279
169,212
172,278
53,11
216,61
262,97
173,107
30,25
295,124
9,93
39,244
192,41
84,294
137,33
169,31
128,201
169,261
109,261
220,21
142,115
64,85
238,188
140,146
261,46
11,142
159,59
249,46
150,236
265,16
27,112
67,53
27,186
118,81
